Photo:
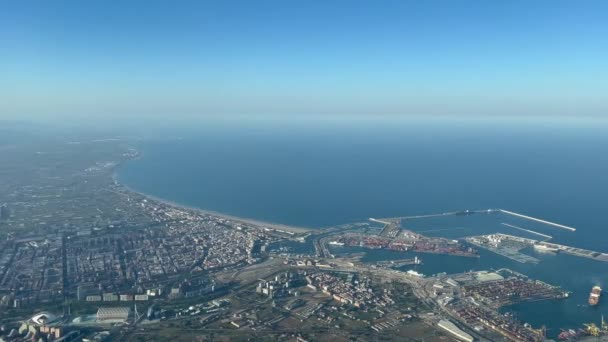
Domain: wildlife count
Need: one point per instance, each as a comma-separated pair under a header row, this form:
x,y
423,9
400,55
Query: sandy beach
x,y
276,226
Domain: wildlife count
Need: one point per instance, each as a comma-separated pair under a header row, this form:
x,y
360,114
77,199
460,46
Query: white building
x,y
113,314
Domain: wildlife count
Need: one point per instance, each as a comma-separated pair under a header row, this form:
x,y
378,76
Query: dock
x,y
580,252
399,263
379,221
514,254
506,245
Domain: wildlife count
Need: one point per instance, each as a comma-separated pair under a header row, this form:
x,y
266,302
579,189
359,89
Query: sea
x,y
324,173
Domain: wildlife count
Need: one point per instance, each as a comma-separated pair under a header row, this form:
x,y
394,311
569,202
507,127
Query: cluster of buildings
x,y
513,290
117,247
408,242
50,199
31,270
473,299
481,317
191,241
351,291
43,326
183,242
112,267
48,327
140,264
281,285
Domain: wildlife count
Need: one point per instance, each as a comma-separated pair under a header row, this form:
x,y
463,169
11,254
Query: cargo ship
x,y
594,296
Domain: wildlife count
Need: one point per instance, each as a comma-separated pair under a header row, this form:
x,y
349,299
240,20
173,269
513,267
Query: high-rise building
x,y
4,212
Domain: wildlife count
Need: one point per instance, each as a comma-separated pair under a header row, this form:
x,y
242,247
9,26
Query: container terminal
x,y
474,299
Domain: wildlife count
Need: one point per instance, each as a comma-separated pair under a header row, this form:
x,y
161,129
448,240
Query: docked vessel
x,y
594,296
545,249
416,274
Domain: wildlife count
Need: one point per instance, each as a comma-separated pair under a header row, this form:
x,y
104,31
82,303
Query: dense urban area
x,y
84,258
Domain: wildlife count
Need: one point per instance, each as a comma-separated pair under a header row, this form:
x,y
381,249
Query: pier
x,y
503,244
537,220
585,253
548,237
506,245
471,212
379,221
451,213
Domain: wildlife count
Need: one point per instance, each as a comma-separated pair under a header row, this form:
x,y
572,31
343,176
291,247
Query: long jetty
x,y
537,220
470,212
465,212
385,221
548,237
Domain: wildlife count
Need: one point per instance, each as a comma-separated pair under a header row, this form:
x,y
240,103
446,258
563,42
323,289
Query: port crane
x,y
592,329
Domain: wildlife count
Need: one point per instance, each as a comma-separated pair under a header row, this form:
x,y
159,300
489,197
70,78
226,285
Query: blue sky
x,y
294,59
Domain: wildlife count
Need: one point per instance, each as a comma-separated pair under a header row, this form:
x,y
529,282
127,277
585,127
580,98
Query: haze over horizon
x,y
310,170
295,60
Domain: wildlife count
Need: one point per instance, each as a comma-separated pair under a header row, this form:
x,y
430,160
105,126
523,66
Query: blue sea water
x,y
319,175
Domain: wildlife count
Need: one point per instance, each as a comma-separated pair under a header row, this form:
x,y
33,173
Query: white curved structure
x,y
43,318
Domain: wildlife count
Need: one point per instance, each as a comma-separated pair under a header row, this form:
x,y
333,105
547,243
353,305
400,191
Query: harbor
x,y
547,261
485,211
505,245
474,299
399,262
580,252
510,246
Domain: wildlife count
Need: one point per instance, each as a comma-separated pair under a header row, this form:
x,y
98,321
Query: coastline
x,y
271,225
